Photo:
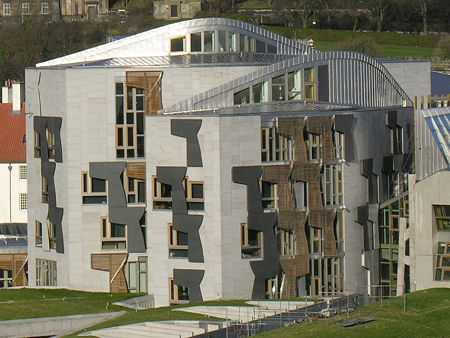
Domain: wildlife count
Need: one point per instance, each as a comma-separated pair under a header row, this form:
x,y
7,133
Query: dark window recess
x,y
196,205
120,138
130,152
94,199
130,118
183,293
182,238
174,11
130,135
177,45
119,110
260,46
197,190
141,192
131,198
166,190
140,146
129,98
117,230
140,123
178,253
196,42
162,205
119,89
139,102
120,153
271,49
98,185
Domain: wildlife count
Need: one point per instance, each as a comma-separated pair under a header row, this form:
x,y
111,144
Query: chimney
x,y
5,94
17,96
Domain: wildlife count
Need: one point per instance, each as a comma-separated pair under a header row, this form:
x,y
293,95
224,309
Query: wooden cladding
x,y
150,81
324,219
136,170
16,263
276,173
115,264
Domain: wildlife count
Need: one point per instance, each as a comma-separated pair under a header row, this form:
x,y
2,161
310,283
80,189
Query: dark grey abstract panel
x,y
344,124
117,205
259,221
190,279
189,130
367,171
190,224
53,125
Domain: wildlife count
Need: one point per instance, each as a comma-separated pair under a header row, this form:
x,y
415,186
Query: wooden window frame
x,y
86,189
174,293
135,191
314,141
37,144
175,52
120,243
287,236
174,245
37,234
282,149
51,227
250,251
310,84
189,194
44,189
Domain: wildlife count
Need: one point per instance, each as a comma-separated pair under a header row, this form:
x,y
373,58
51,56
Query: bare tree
x,y
423,4
378,9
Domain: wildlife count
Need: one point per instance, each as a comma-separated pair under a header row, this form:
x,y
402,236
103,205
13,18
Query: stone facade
x,y
173,10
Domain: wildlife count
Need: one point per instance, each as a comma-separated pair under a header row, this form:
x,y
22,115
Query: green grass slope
x,y
427,315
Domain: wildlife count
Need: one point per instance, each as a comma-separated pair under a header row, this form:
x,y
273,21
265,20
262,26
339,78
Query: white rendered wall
x,y
11,187
434,190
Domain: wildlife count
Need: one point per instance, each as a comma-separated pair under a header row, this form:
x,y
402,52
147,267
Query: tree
x,y
423,5
378,9
443,49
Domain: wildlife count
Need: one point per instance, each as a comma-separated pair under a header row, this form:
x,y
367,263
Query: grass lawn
x,y
254,4
36,303
427,315
388,51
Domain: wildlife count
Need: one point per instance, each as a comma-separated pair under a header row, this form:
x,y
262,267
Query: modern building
x,y
174,10
212,159
13,193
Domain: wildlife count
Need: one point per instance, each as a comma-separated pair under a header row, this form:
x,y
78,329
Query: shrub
x,y
362,44
443,49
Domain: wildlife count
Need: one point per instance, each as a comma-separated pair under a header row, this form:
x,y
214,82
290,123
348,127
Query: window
x,y
114,236
243,43
44,186
269,195
260,92
6,278
6,8
294,86
44,8
397,140
51,234
45,272
316,242
23,201
178,294
338,141
331,184
314,147
442,217
37,144
232,42
442,263
208,42
51,145
251,242
94,190
38,234
162,195
195,199
134,189
222,41
137,273
174,11
260,46
25,8
271,49
242,97
130,122
178,243
196,42
286,242
275,147
309,79
178,44
23,172
279,88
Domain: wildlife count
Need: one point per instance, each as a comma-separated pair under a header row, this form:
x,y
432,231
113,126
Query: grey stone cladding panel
x,y
324,83
189,130
367,171
189,224
190,279
249,176
55,214
117,205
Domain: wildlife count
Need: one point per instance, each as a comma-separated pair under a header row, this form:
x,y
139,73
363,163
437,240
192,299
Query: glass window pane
x,y
242,97
130,118
119,110
209,42
140,123
143,282
178,45
140,102
129,98
141,192
117,230
132,274
98,185
182,238
196,42
119,88
260,46
278,88
222,41
197,190
140,146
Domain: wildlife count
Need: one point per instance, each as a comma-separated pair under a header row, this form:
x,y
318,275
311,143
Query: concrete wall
x,y
12,187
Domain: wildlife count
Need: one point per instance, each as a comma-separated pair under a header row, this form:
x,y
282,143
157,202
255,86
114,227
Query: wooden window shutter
x,y
150,81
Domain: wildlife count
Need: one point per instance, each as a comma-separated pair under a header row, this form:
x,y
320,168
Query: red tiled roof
x,y
12,134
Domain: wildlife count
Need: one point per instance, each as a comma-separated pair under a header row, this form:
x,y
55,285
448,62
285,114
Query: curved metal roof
x,y
156,42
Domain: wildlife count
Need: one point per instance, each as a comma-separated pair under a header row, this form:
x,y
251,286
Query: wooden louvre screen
x,y
16,264
150,81
136,170
115,264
